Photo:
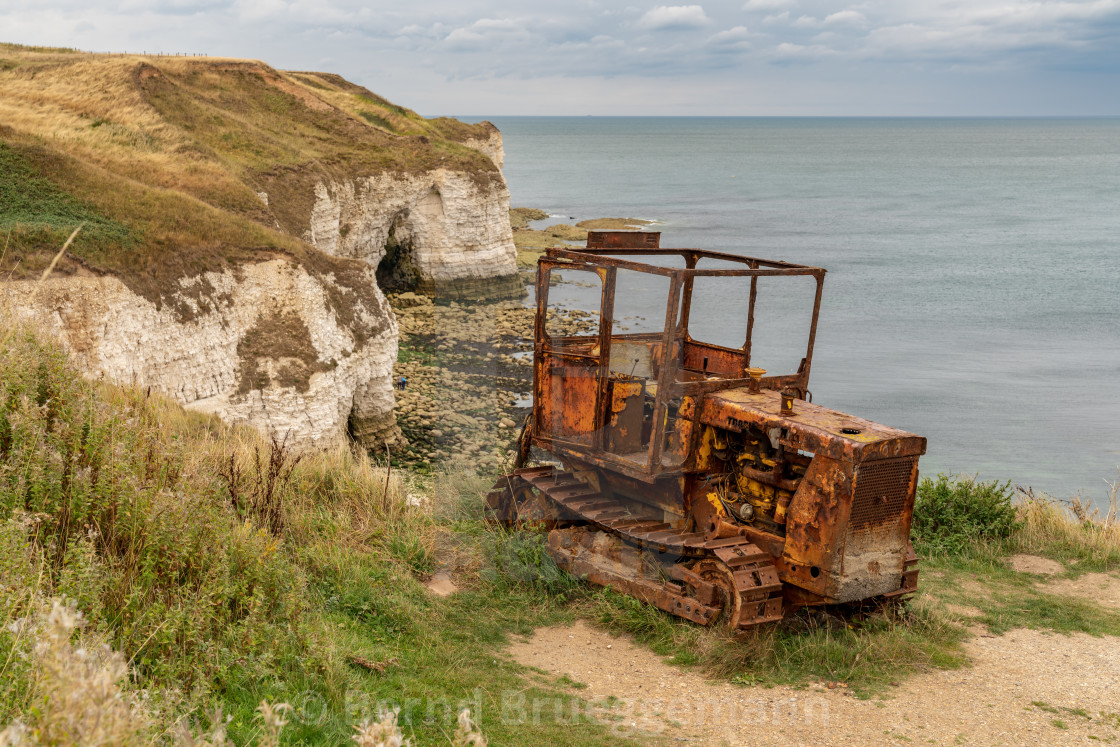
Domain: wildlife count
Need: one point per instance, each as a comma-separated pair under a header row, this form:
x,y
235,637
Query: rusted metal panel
x,y
624,429
712,359
571,395
623,239
812,428
816,526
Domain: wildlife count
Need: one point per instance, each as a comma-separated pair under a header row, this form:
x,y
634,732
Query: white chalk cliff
x,y
271,348
450,229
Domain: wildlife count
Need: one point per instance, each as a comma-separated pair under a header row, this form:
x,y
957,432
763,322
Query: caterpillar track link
x,y
692,477
590,536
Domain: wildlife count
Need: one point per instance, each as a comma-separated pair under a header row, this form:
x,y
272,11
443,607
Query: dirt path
x,y
1101,588
1025,687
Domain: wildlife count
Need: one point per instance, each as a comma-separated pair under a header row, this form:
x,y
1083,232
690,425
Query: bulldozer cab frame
x,y
612,398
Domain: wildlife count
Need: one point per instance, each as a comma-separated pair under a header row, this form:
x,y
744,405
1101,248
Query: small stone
x,y
409,300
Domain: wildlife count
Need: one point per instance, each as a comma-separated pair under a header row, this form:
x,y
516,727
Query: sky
x,y
608,57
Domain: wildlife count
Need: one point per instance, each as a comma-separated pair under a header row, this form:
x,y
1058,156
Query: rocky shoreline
x,y
468,368
468,364
469,374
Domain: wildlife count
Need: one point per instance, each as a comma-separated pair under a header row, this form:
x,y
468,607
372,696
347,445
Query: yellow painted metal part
x,y
717,505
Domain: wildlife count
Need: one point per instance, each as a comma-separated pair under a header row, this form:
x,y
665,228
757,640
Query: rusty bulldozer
x,y
683,474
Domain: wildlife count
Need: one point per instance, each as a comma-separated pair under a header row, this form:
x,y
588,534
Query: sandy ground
x,y
1096,587
992,702
1035,564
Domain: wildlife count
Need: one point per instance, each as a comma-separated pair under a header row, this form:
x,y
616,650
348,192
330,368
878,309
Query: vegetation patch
x,y
278,349
951,515
614,224
376,120
867,652
226,572
34,210
521,217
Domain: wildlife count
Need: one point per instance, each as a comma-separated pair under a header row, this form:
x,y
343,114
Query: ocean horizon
x,y
973,287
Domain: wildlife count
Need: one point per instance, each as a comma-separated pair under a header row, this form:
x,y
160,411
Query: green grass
x,y
34,211
376,120
122,502
28,198
1006,599
867,653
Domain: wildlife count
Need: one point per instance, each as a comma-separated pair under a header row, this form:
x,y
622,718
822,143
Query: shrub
x,y
952,513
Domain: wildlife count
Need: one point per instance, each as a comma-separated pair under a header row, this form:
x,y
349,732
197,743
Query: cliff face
x,y
442,232
490,144
236,222
268,350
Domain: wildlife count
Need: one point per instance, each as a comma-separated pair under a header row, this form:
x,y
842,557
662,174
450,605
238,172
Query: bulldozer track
x,y
583,502
741,579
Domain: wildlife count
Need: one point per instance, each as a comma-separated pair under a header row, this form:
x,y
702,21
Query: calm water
x,y
973,287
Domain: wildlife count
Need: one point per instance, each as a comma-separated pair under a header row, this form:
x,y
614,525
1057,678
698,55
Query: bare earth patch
x,y
1020,688
1101,588
1035,564
441,584
963,610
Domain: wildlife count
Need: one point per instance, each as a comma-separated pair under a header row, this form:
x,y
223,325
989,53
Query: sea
x,y
973,285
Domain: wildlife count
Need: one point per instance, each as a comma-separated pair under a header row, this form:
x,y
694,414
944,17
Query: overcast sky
x,y
747,57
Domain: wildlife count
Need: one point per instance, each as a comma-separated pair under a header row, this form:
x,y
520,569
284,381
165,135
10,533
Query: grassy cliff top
x,y
163,158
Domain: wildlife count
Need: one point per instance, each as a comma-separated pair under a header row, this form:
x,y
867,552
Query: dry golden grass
x,y
175,150
98,107
1074,528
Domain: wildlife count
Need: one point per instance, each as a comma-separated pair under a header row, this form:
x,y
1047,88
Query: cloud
x,y
484,33
999,34
731,39
411,50
674,17
768,5
738,33
844,16
788,52
174,7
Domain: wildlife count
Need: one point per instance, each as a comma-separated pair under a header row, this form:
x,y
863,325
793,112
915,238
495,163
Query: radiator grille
x,y
882,488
